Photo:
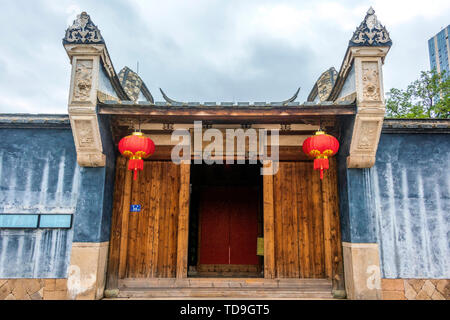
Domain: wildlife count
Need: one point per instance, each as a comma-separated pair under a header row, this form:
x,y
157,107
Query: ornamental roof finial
x,y
83,31
370,33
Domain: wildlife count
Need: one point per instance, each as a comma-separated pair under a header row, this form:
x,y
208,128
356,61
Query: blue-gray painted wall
x,y
94,207
356,214
402,203
411,204
39,174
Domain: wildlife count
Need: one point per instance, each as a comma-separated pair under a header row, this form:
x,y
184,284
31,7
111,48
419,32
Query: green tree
x,y
427,97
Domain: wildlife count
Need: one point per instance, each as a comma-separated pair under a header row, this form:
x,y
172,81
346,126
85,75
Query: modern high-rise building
x,y
439,48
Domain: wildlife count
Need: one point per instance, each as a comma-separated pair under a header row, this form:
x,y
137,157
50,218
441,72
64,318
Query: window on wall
x,y
34,221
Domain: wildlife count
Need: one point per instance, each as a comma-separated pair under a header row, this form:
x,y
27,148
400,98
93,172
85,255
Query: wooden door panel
x,y
306,222
151,249
229,226
215,227
244,227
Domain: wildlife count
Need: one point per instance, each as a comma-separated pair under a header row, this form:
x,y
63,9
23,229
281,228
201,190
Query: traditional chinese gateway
x,y
75,224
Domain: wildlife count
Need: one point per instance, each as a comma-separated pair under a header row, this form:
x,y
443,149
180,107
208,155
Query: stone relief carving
x,y
83,80
325,83
83,31
370,80
84,133
370,32
368,135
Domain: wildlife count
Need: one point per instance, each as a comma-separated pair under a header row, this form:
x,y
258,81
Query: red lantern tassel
x,y
321,164
135,165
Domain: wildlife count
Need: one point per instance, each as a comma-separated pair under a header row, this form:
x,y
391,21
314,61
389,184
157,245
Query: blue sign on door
x,y
135,208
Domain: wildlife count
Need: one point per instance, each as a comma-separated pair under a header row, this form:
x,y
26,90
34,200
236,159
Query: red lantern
x,y
321,146
136,147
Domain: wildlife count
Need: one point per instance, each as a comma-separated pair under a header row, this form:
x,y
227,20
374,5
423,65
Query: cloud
x,y
207,50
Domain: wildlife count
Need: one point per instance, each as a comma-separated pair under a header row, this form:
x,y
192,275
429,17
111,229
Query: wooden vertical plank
x,y
163,255
173,223
132,242
310,218
285,216
116,223
278,222
172,206
143,220
288,215
124,227
162,229
157,200
294,224
337,260
318,226
302,201
269,232
327,212
154,194
183,221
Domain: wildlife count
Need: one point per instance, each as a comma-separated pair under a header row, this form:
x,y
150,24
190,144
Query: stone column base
x,y
87,271
362,271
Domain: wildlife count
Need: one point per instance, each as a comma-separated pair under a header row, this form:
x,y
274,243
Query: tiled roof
x,y
223,104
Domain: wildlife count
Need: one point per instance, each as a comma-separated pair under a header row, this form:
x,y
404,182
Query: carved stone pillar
x,y
85,47
364,60
90,62
367,62
367,49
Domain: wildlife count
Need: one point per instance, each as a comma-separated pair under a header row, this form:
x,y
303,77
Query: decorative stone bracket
x,y
86,50
367,62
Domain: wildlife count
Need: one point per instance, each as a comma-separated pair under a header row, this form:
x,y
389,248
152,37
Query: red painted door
x,y
229,225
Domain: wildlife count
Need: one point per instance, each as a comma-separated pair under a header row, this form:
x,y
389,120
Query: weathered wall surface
x,y
38,175
356,214
402,206
94,205
410,198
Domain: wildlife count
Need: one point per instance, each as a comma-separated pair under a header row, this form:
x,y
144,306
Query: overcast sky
x,y
206,50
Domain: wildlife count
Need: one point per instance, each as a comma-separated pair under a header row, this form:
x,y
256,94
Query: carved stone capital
x,y
360,161
85,159
87,139
366,135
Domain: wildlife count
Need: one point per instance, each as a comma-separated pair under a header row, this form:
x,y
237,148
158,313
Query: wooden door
x,y
228,229
144,244
305,233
